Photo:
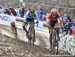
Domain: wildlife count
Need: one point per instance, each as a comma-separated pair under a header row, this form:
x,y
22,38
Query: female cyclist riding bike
x,y
54,18
30,16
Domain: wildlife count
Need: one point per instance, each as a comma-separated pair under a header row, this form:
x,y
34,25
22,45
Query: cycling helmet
x,y
32,9
54,10
65,14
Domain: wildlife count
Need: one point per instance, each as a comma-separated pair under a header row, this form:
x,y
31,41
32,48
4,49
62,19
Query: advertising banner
x,y
6,19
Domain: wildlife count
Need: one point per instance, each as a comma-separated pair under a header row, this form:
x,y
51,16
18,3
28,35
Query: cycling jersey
x,y
53,17
31,16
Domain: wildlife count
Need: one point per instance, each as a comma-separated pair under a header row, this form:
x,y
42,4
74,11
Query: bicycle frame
x,y
31,33
29,23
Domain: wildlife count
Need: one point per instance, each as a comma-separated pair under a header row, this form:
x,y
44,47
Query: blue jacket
x,y
31,15
41,15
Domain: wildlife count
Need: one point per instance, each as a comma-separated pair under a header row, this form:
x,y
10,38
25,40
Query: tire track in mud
x,y
41,40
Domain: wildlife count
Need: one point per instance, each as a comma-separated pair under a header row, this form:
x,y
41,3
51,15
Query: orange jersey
x,y
51,17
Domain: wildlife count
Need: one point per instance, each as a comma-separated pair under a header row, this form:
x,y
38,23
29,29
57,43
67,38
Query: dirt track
x,y
11,47
41,39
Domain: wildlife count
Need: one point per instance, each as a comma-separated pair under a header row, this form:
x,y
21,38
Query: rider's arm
x,y
48,21
60,20
25,16
59,17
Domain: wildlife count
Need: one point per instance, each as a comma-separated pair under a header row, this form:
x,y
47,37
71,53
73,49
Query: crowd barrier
x,y
67,43
6,19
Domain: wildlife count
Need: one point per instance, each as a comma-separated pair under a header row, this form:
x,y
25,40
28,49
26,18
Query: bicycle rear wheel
x,y
56,41
31,34
50,40
53,41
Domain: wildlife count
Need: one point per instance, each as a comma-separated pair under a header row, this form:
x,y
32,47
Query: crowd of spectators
x,y
42,16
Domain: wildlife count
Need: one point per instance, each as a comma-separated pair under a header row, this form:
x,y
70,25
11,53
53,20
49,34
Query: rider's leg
x,y
50,34
57,30
24,26
53,24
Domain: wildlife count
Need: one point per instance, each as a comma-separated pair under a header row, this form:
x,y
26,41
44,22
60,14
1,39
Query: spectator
x,y
66,18
68,26
25,10
42,15
22,13
19,13
13,12
7,12
1,10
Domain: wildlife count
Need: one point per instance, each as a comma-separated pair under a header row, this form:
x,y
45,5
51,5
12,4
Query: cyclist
x,y
66,19
30,15
54,18
67,22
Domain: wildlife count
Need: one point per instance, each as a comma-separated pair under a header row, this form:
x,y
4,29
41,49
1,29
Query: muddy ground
x,y
10,47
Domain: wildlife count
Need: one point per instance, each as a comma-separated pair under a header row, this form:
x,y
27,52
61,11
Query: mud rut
x,y
10,47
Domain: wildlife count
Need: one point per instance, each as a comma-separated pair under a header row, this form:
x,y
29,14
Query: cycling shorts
x,y
52,23
30,19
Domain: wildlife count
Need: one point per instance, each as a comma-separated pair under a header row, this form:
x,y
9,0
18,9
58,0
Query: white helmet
x,y
65,14
54,10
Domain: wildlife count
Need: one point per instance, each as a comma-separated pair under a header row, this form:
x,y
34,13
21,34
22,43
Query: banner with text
x,y
6,19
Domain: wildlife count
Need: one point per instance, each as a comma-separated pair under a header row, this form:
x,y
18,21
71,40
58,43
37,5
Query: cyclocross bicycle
x,y
30,32
54,38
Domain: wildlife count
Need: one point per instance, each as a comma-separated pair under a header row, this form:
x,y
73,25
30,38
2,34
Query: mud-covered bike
x,y
30,31
54,38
